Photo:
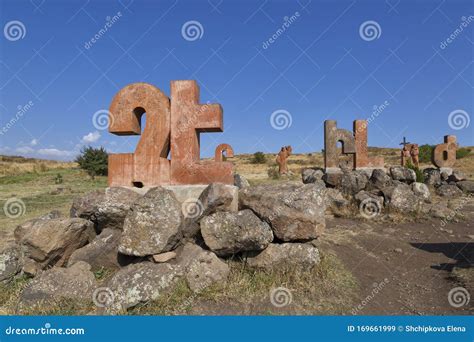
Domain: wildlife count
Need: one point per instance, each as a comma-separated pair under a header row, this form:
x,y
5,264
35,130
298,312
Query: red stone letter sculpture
x,y
223,148
361,156
332,135
444,155
282,158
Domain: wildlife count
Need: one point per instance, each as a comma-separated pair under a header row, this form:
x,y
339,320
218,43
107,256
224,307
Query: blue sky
x,y
320,65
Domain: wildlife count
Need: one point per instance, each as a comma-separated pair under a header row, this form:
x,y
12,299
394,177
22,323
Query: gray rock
x,y
336,204
102,252
447,190
432,177
333,179
202,268
295,211
353,181
75,283
363,195
140,283
403,174
230,233
440,210
380,179
466,186
402,199
420,189
164,257
240,181
456,176
21,230
106,208
303,256
311,175
51,242
153,224
11,261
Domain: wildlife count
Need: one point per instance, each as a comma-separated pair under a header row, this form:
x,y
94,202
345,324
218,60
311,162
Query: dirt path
x,y
405,268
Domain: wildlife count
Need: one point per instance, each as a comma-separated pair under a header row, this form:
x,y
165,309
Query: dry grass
x,y
11,165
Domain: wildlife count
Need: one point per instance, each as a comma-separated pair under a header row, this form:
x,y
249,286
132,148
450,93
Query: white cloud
x,y
91,137
54,152
34,142
24,150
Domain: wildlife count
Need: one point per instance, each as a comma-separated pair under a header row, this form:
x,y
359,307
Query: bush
x,y
462,152
420,177
259,158
425,153
58,179
273,172
93,161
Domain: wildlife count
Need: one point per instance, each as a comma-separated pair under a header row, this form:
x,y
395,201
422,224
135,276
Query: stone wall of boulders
x,y
148,242
375,193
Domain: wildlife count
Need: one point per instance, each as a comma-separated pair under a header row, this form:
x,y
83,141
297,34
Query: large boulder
x,y
336,203
295,211
448,190
11,261
353,181
74,283
403,174
311,175
432,177
456,176
51,242
23,228
294,255
140,283
421,189
230,233
240,181
333,179
102,252
106,208
466,186
202,268
153,225
380,179
401,198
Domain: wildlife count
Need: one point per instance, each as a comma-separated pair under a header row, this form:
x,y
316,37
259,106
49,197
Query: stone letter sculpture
x,y
361,156
221,149
444,155
414,153
172,128
282,159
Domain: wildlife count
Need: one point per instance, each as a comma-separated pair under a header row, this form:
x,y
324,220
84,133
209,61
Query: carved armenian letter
x,y
332,135
444,155
221,149
148,165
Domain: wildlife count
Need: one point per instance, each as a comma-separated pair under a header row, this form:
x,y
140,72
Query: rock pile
x,y
148,242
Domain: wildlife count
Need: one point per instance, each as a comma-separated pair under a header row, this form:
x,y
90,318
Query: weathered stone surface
x,y
295,211
380,179
303,256
75,283
448,150
311,175
457,176
203,269
153,224
440,210
31,268
51,242
466,186
353,181
230,233
102,252
448,190
361,156
336,204
365,195
240,181
403,174
420,189
332,135
164,257
11,261
22,229
106,208
333,179
221,150
140,283
401,198
219,197
432,177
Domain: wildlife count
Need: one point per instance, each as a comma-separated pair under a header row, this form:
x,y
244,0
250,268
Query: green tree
x,y
259,158
425,153
94,161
